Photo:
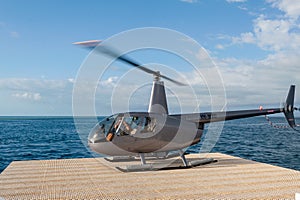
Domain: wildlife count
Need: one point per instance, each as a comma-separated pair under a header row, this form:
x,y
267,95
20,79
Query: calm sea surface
x,y
35,138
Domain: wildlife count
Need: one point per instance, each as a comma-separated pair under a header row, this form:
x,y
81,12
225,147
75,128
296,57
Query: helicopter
x,y
156,133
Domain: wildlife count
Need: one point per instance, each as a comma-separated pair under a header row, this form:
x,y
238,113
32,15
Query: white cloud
x,y
268,79
189,1
276,34
248,37
35,97
264,81
71,80
236,1
111,81
279,33
272,35
291,8
14,34
11,33
23,84
28,95
219,46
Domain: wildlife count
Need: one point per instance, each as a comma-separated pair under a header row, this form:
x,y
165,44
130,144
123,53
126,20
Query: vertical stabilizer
x,y
289,107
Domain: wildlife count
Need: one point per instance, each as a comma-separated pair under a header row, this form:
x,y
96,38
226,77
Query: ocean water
x,y
35,138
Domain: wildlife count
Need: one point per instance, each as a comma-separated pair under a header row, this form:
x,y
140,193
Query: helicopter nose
x,y
95,138
96,135
91,140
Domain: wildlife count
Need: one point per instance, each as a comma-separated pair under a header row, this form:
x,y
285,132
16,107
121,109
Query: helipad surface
x,y
95,178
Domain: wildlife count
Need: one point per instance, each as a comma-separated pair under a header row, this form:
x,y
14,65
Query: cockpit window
x,y
149,125
106,124
122,125
130,125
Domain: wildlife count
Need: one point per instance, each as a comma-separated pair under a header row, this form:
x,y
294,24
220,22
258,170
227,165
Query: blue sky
x,y
255,43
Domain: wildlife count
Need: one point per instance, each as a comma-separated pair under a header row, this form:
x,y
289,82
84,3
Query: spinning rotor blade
x,y
172,80
113,53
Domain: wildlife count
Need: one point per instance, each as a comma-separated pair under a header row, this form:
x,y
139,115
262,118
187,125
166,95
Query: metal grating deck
x,y
94,178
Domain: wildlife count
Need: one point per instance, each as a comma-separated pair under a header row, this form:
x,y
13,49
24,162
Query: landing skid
x,y
152,156
155,167
121,159
158,165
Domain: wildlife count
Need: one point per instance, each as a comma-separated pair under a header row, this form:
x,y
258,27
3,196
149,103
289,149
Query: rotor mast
x,y
158,99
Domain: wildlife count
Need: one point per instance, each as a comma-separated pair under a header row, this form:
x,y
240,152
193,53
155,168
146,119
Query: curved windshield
x,y
101,129
121,125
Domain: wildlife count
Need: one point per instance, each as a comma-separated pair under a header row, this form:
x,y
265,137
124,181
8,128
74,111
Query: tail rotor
x,y
288,109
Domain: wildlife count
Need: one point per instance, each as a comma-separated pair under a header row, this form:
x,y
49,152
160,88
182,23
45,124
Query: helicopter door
x,y
142,124
128,125
150,124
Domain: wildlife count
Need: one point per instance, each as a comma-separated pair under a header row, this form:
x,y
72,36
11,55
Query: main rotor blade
x,y
114,54
173,81
92,44
135,64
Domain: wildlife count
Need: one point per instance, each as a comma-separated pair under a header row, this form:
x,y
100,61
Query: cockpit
x,y
121,125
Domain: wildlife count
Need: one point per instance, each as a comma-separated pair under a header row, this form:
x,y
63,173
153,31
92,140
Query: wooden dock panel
x,y
95,178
